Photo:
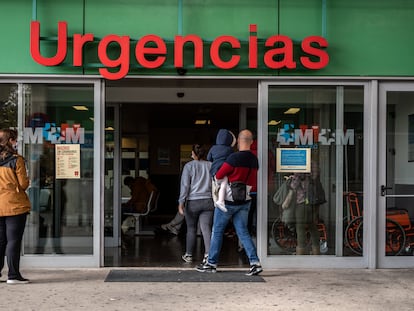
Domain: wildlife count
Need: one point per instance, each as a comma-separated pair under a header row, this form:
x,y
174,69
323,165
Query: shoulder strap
x,y
6,160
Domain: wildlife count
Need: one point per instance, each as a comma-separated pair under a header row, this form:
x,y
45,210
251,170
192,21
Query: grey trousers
x,y
198,211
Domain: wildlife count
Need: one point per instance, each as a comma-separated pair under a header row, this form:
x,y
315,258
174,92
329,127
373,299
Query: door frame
x,y
115,239
383,260
95,259
329,261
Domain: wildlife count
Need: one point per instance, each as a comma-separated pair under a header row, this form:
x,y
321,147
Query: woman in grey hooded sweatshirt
x,y
195,201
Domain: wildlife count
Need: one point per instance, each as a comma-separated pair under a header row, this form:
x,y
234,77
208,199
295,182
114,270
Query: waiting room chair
x,y
152,205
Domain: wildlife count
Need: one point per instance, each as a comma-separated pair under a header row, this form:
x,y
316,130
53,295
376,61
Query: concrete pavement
x,y
85,289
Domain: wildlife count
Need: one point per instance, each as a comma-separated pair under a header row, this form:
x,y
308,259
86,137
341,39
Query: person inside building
x,y
141,189
239,166
174,226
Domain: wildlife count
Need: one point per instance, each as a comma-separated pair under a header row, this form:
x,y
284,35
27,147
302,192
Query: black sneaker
x,y
206,267
254,270
19,280
204,259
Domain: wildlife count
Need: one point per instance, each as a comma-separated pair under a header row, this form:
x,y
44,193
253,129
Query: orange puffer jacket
x,y
13,183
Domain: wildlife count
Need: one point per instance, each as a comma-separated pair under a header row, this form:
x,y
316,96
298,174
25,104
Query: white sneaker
x,y
19,280
221,206
187,258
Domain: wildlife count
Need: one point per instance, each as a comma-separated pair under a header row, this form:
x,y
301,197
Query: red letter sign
x,y
215,52
122,60
61,46
141,50
287,52
307,48
179,43
78,43
253,46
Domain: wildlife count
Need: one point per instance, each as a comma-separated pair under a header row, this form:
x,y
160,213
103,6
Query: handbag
x,y
286,198
239,190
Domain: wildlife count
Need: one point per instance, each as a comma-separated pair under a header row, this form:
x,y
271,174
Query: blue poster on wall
x,y
293,160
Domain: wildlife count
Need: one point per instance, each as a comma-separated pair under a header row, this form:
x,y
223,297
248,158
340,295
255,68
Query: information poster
x,y
293,160
67,161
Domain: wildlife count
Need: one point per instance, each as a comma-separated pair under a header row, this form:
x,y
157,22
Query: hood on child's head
x,y
224,137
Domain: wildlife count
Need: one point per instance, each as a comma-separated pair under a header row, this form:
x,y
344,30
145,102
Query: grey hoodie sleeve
x,y
185,184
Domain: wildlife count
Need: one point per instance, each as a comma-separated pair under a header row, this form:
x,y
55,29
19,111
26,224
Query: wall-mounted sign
x,y
67,161
151,51
293,160
311,136
56,134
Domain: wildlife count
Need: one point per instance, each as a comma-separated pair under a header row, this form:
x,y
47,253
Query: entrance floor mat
x,y
137,275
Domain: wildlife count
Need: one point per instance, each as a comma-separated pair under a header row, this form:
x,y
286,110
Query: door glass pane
x,y
109,170
58,147
316,150
8,105
399,188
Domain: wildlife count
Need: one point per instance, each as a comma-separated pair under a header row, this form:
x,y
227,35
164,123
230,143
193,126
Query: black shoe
x,y
254,270
206,268
19,280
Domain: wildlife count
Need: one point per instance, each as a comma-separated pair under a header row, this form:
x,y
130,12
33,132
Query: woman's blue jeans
x,y
240,215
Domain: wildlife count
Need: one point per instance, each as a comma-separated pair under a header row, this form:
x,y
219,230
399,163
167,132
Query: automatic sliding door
x,y
315,143
60,134
396,200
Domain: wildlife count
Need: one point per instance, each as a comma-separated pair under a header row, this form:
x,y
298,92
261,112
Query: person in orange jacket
x,y
14,205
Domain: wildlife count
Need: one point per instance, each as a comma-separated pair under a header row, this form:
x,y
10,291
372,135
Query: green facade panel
x,y
365,37
371,37
132,18
14,51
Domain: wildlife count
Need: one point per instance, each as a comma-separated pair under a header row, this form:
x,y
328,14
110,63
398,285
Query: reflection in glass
x,y
8,105
61,221
399,216
109,171
327,123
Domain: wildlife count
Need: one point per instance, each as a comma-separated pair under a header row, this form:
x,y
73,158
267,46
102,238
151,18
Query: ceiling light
x,y
202,122
292,111
273,122
79,107
109,128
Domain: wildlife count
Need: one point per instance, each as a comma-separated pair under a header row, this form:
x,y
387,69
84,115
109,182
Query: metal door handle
x,y
384,190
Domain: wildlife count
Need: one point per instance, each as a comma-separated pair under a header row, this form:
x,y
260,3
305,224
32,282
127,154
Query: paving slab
x,y
322,289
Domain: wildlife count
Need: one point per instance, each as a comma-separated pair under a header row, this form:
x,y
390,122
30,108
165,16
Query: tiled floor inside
x,y
165,250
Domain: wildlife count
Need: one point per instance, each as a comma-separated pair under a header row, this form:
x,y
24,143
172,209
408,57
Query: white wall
x,y
404,170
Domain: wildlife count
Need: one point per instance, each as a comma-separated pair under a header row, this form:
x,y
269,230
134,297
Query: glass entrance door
x,y
314,146
396,175
59,127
